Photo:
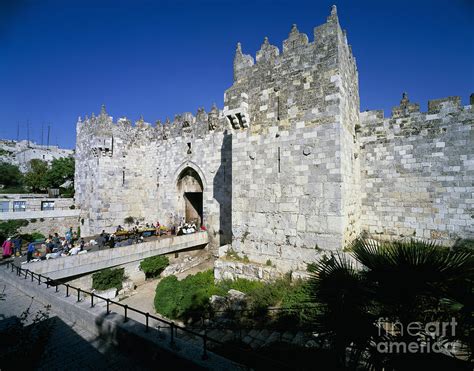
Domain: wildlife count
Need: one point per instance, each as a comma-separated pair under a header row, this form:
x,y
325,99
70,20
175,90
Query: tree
x,y
9,228
402,282
10,175
36,177
62,170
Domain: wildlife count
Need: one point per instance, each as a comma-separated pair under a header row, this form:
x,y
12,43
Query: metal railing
x,y
173,327
37,208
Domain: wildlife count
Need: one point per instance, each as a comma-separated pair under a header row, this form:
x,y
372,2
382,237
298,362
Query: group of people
x,y
137,228
187,228
71,244
52,247
192,226
147,229
57,247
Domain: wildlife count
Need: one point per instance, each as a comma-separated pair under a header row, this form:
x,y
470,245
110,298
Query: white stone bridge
x,y
70,266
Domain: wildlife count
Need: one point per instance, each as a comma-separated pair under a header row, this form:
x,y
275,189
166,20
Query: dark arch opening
x,y
190,196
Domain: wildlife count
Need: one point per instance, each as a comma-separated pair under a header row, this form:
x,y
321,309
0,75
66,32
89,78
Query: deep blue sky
x,y
63,59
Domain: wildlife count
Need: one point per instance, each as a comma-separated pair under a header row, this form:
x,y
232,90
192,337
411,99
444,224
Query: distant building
x,y
22,152
43,213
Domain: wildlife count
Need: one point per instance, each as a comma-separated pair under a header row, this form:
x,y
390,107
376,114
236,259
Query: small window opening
x,y
279,160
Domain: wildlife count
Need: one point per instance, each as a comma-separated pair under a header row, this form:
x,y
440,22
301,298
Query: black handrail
x,y
172,325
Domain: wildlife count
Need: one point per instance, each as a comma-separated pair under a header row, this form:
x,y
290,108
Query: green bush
x,y
183,299
187,298
18,189
153,266
10,175
27,237
270,294
240,284
10,228
37,236
67,192
108,278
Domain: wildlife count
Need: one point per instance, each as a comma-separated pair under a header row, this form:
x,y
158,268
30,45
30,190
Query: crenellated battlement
x,y
296,47
407,119
306,81
101,128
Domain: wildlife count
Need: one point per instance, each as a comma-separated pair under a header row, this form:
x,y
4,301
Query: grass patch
x,y
231,254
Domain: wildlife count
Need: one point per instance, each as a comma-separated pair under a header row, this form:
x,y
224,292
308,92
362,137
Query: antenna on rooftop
x,y
18,131
28,132
49,128
42,132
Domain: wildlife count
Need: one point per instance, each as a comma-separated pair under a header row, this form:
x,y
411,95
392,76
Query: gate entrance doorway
x,y
190,199
193,207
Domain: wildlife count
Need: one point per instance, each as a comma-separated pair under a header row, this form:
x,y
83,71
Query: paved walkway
x,y
69,346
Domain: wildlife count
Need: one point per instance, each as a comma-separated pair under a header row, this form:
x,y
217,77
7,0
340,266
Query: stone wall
x,y
289,168
417,171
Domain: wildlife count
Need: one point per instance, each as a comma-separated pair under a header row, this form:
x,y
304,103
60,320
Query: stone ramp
x,y
70,266
155,347
68,345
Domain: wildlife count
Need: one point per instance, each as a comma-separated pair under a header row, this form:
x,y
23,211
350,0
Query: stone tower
x,y
294,160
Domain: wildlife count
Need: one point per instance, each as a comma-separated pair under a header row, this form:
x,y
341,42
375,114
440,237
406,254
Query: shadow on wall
x,y
223,190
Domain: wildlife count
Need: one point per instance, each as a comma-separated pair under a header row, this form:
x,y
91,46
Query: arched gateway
x,y
190,200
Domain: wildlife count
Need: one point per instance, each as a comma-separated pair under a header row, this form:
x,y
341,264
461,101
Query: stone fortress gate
x,y
289,167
